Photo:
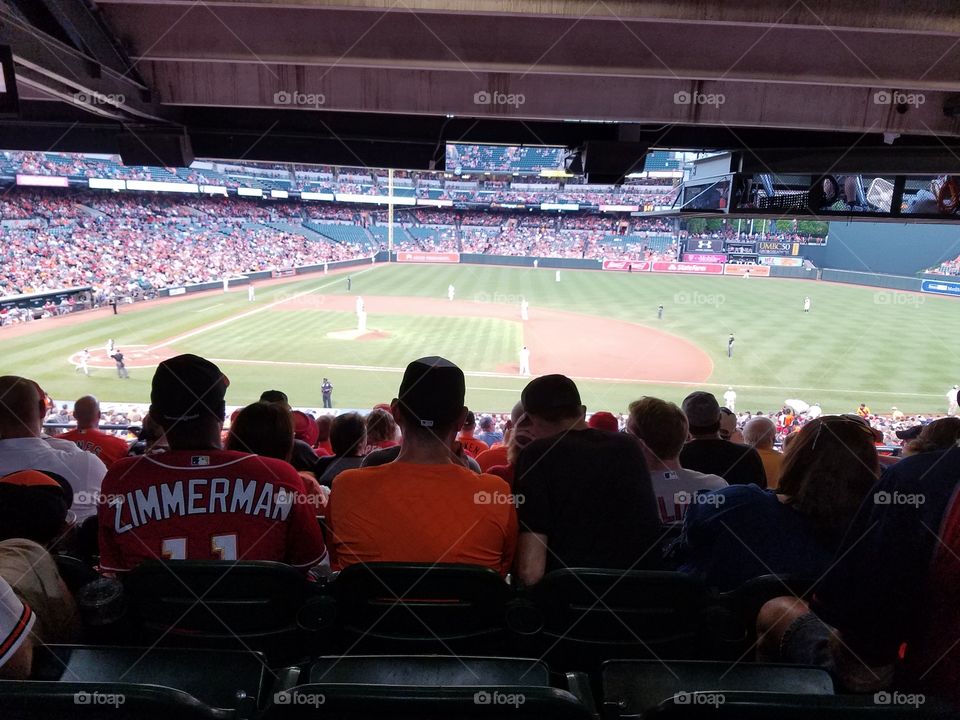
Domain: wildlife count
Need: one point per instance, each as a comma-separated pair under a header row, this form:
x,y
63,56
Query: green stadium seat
x,y
782,706
590,615
260,606
416,608
224,679
632,687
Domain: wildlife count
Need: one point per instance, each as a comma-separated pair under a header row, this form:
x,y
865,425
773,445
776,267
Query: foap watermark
x,y
895,97
898,298
898,498
96,98
98,698
292,697
299,99
699,698
300,301
485,97
684,97
497,297
494,697
899,698
484,497
699,298
684,497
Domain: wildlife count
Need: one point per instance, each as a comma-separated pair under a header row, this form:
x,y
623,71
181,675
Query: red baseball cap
x,y
604,421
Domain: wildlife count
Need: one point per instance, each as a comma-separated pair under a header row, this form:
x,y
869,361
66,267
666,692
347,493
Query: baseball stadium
x,y
489,360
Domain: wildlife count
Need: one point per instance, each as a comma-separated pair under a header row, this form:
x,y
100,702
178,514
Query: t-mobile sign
x,y
704,258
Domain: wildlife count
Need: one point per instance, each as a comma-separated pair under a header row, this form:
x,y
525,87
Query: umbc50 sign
x,y
941,287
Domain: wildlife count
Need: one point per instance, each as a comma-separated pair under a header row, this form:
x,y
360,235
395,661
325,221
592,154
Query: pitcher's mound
x,y
357,335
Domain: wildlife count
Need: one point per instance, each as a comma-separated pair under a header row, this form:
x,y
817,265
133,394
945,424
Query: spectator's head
x,y
86,411
381,427
604,420
827,471
34,505
760,432
728,425
263,429
486,423
187,401
276,396
941,434
703,414
551,405
469,423
429,406
324,423
304,427
348,435
661,427
22,407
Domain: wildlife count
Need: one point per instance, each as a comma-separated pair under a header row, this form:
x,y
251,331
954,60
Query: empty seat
x,y
779,706
590,615
45,700
433,670
217,678
244,605
426,687
632,687
415,608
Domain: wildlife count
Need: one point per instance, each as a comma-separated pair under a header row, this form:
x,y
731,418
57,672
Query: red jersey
x,y
109,448
206,505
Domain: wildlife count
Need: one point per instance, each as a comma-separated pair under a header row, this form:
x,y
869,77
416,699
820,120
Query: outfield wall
x,y
267,275
886,248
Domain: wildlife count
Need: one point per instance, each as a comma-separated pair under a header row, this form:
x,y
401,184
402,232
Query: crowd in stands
x,y
947,267
424,480
124,246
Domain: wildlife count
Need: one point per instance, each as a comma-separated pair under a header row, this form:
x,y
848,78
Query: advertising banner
x,y
941,287
778,247
626,265
690,268
711,245
752,270
428,257
782,261
704,257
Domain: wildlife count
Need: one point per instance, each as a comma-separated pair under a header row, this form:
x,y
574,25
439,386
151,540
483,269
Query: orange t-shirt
x,y
406,512
109,448
472,446
492,457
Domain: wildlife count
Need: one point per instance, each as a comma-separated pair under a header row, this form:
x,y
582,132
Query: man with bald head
x,y
88,437
23,448
760,433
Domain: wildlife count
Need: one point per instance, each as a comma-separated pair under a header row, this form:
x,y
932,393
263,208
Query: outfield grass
x,y
857,345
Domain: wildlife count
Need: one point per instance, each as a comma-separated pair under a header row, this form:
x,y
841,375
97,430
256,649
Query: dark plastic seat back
x,y
220,604
635,686
394,607
218,678
593,615
779,706
42,700
429,670
384,702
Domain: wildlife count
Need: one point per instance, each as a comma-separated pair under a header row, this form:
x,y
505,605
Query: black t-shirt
x,y
735,463
589,492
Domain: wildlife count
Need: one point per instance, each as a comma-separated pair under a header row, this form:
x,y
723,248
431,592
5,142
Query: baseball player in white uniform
x,y
451,291
524,361
82,363
730,399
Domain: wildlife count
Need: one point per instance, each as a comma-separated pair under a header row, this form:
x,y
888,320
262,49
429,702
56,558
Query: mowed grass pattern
x,y
857,345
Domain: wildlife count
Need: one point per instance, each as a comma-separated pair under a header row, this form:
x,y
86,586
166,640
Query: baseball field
x,y
855,345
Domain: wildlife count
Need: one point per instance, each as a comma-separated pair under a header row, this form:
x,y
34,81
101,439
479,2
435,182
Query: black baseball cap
x,y
702,411
432,391
187,387
550,396
910,433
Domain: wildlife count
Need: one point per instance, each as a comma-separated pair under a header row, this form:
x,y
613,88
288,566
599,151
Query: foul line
x,y
248,313
512,376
